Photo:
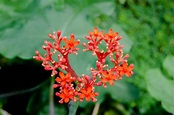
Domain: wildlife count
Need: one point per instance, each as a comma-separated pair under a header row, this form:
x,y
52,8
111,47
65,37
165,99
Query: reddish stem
x,y
69,69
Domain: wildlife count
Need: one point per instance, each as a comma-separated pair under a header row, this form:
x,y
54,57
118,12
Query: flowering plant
x,y
73,87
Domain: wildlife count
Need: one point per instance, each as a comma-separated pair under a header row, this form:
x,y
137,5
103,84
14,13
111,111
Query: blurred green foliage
x,y
150,25
147,28
160,86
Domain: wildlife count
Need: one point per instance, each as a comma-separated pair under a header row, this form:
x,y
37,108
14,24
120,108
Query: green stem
x,y
51,96
73,107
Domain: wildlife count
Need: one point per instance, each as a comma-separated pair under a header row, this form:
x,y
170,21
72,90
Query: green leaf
x,y
168,64
24,40
14,12
16,5
160,88
3,112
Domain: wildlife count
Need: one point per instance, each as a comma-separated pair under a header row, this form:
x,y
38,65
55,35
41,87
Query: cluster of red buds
x,y
73,87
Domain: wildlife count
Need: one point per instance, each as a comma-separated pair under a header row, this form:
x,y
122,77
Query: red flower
x,y
63,79
111,34
88,93
125,69
66,94
108,77
96,33
71,43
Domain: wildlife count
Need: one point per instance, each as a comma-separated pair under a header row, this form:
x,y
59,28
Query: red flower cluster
x,y
73,87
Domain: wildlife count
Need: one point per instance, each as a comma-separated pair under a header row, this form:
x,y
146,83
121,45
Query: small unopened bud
x,y
126,56
94,99
104,85
72,35
63,60
121,46
49,35
58,33
84,44
119,38
37,52
55,85
75,100
57,94
99,83
61,101
44,47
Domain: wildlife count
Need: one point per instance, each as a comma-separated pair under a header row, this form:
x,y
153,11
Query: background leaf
x,y
24,40
161,88
168,64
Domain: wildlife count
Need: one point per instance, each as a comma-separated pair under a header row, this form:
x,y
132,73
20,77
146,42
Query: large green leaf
x,y
76,17
161,88
168,64
14,13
